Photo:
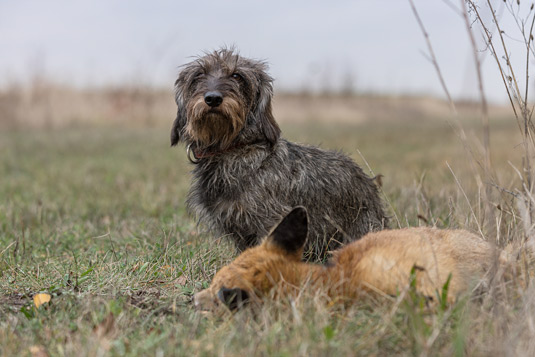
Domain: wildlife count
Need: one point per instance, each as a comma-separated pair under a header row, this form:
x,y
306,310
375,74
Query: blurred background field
x,y
92,196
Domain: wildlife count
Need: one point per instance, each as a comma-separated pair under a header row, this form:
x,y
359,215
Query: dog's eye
x,y
193,82
237,77
196,78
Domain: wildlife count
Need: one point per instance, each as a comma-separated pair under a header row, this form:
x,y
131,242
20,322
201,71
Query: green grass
x,y
96,217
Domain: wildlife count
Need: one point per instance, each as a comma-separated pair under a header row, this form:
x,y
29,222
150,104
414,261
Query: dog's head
x,y
259,269
223,97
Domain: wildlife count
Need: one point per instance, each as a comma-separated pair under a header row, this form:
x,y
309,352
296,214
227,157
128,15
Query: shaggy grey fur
x,y
246,177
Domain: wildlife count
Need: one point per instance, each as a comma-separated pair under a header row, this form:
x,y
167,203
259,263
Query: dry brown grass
x,y
44,104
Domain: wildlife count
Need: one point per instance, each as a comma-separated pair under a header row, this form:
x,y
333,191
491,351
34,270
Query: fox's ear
x,y
291,233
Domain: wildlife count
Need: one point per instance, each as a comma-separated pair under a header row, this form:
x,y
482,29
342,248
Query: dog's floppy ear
x,y
263,111
178,126
290,235
180,121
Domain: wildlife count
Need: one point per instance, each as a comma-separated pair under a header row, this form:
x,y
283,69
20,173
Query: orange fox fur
x,y
380,262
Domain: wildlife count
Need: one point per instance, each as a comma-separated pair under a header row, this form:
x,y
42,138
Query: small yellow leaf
x,y
40,299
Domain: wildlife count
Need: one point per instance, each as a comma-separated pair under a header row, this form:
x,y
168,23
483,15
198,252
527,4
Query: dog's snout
x,y
213,98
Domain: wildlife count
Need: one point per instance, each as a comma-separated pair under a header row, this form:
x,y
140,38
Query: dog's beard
x,y
218,127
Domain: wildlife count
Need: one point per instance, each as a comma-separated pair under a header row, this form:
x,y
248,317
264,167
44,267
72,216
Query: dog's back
x,y
342,201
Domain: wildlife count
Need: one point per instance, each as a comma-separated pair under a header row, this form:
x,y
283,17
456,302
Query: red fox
x,y
380,262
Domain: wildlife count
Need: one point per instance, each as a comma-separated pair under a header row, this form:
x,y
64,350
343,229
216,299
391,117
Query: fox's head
x,y
259,269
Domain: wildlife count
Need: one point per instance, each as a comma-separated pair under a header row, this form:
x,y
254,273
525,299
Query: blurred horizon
x,y
311,47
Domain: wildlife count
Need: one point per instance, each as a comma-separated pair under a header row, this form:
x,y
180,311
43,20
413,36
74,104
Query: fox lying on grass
x,y
381,262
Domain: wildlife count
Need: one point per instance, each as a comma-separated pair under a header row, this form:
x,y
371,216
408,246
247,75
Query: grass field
x,y
96,218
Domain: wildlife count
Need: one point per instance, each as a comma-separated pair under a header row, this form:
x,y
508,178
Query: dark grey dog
x,y
246,177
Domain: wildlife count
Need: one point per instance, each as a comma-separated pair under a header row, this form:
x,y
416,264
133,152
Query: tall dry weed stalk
x,y
516,83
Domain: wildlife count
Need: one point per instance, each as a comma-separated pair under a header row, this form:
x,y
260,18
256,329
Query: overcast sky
x,y
375,45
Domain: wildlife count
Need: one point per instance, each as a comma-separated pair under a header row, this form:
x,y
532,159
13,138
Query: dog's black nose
x,y
213,99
